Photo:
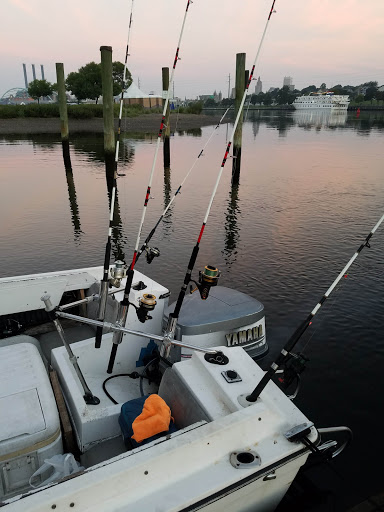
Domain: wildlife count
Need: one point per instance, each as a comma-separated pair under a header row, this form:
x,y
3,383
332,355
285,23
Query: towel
x,y
154,419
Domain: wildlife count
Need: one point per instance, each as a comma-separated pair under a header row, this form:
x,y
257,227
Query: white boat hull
x,y
195,468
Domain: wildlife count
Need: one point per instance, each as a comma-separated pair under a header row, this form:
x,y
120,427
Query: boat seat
x,y
129,412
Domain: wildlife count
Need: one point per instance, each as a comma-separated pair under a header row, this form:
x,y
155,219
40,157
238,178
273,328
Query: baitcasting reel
x,y
152,252
147,304
208,278
118,272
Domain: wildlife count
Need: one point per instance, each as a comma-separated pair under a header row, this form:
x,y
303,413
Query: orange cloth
x,y
154,419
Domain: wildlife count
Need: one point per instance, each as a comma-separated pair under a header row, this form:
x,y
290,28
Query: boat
x,y
178,418
225,452
322,100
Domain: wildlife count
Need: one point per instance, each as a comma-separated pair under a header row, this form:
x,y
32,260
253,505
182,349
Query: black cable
x,y
133,375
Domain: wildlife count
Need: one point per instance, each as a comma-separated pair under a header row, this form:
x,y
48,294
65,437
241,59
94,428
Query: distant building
x,y
288,81
259,86
217,97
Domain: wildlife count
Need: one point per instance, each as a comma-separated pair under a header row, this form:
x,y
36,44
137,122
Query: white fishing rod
x,y
285,352
151,253
174,316
124,304
107,257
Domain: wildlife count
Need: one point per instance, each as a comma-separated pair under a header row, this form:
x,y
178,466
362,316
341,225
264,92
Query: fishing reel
x,y
118,272
147,303
208,278
152,252
292,368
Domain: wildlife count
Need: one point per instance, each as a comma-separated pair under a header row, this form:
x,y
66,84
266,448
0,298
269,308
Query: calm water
x,y
311,189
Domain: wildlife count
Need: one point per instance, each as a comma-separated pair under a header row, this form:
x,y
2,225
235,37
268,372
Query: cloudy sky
x,y
314,41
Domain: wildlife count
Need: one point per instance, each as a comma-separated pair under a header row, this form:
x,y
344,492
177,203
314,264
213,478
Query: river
x,y
311,189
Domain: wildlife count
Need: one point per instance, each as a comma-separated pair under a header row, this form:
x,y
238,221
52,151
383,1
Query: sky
x,y
313,41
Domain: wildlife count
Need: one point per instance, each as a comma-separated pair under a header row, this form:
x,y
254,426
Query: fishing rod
x,y
154,252
124,304
107,257
285,352
210,275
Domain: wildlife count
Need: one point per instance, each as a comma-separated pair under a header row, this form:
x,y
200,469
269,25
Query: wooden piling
x,y
240,86
62,101
167,131
107,89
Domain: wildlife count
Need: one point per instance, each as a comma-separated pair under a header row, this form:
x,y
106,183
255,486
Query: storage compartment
x,y
29,421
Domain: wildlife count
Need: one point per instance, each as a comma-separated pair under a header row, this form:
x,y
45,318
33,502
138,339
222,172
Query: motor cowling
x,y
226,318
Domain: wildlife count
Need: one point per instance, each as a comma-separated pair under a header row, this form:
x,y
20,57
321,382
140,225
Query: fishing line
x,y
173,316
107,257
285,352
124,304
178,190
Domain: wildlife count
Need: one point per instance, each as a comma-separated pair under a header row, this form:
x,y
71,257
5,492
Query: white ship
x,y
323,100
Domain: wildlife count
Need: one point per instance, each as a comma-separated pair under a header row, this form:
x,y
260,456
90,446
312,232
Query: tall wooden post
x,y
240,86
107,89
62,101
167,131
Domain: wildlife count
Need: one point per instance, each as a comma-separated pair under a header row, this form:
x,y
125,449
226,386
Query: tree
x,y
39,88
283,95
210,102
310,88
227,102
370,93
117,75
323,87
267,100
86,83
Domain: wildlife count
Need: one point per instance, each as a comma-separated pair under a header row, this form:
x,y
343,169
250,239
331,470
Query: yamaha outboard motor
x,y
227,317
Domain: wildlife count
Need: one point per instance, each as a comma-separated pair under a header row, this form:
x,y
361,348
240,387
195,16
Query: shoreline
x,y
146,123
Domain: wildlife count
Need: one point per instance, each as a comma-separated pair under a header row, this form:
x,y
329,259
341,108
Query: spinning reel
x,y
118,272
151,253
208,278
147,304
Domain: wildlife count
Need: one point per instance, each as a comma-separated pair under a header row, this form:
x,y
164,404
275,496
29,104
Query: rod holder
x,y
89,397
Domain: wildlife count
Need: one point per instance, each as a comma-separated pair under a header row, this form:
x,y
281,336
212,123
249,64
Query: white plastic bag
x,y
56,467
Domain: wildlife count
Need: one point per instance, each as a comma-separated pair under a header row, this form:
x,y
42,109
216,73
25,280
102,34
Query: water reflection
x,y
319,118
167,220
75,217
232,231
285,120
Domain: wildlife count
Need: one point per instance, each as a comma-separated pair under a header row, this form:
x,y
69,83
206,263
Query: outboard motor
x,y
227,317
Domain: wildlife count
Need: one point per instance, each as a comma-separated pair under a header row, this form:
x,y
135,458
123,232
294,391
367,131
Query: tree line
x,y
284,96
83,84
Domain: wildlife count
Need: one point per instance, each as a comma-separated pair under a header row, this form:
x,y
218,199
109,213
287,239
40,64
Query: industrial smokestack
x,y
42,72
25,76
33,72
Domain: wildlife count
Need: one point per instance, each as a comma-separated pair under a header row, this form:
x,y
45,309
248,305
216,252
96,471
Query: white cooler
x,y
29,421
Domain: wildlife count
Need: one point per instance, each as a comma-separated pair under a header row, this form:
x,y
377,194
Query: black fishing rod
x,y
107,257
210,272
307,322
124,304
154,252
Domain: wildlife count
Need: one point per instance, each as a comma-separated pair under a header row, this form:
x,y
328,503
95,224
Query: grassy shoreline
x,y
82,111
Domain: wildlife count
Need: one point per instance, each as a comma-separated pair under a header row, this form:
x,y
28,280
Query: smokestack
x,y
33,72
42,72
25,76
